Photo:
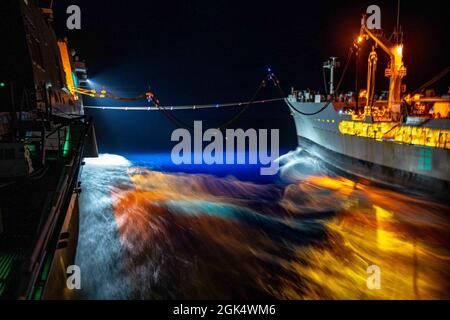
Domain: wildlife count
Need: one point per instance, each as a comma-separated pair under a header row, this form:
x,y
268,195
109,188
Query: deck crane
x,y
395,71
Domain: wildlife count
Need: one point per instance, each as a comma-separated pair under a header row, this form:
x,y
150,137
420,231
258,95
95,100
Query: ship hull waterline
x,y
410,168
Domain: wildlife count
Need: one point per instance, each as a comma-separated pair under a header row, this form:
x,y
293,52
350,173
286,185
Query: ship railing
x,y
304,96
49,236
310,96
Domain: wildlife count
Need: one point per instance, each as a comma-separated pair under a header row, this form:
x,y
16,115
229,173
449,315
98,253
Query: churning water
x,y
149,231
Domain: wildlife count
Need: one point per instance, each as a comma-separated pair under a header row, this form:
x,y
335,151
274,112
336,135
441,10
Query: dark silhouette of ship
x,y
44,136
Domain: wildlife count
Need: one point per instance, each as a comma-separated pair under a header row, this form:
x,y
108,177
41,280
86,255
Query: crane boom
x,y
395,71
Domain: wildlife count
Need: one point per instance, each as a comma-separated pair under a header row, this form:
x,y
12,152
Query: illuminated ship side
x,y
396,142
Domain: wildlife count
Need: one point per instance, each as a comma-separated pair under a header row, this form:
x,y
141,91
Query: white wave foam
x,y
108,160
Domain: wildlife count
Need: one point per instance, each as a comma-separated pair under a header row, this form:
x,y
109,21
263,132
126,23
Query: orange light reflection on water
x,y
214,256
406,237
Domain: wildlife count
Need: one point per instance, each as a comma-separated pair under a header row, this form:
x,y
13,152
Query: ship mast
x,y
398,33
331,64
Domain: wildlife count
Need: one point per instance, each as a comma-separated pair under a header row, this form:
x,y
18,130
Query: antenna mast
x,y
398,33
332,64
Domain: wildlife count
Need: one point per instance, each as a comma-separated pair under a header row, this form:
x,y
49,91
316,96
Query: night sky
x,y
194,52
207,51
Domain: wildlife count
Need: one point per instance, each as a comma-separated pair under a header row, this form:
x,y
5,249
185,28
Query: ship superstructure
x,y
397,139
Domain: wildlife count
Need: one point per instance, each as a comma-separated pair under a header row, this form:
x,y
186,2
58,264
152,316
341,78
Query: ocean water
x,y
151,230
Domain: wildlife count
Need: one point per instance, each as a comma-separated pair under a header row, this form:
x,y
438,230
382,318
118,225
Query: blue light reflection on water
x,y
163,162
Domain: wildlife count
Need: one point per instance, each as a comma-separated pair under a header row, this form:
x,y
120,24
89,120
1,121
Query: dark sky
x,y
214,51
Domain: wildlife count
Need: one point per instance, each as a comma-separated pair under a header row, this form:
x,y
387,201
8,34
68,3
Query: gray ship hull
x,y
418,168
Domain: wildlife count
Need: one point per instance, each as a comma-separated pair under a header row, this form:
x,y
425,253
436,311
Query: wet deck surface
x,y
149,232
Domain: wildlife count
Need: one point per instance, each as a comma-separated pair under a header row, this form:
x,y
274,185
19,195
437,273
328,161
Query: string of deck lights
x,y
89,92
187,107
166,110
104,94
